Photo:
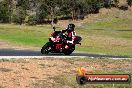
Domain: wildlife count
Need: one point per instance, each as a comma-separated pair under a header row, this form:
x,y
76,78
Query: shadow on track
x,y
11,52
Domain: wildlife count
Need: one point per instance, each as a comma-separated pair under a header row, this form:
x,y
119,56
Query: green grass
x,y
109,34
26,35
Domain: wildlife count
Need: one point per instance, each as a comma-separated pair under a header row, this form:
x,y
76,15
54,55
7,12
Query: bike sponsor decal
x,y
83,78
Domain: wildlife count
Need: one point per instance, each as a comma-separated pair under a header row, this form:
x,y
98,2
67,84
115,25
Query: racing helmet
x,y
71,27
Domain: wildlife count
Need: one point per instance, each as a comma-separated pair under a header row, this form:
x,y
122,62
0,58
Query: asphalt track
x,y
12,52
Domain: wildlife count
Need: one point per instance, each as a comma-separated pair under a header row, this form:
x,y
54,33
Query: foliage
x,y
17,10
19,16
31,20
4,13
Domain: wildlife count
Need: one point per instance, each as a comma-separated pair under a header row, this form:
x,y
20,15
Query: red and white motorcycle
x,y
56,44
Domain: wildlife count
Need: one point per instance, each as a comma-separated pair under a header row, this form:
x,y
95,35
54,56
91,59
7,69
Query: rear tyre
x,y
45,49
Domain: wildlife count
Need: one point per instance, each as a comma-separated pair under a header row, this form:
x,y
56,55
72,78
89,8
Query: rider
x,y
70,33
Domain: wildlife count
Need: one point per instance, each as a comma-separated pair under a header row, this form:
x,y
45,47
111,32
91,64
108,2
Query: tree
x,y
40,10
41,13
19,16
49,7
4,12
24,4
111,3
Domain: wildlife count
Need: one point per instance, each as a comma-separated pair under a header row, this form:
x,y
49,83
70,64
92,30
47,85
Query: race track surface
x,y
12,52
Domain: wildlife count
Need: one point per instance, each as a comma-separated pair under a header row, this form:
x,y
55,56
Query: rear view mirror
x,y
54,28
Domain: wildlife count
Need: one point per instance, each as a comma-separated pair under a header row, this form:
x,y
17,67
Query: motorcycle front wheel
x,y
45,49
69,51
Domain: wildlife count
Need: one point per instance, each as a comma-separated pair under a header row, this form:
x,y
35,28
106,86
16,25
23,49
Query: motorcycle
x,y
57,44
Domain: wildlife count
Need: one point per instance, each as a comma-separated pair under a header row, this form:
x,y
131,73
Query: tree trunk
x,y
52,17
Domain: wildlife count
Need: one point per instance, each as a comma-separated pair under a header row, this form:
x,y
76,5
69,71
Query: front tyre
x,y
69,51
46,48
